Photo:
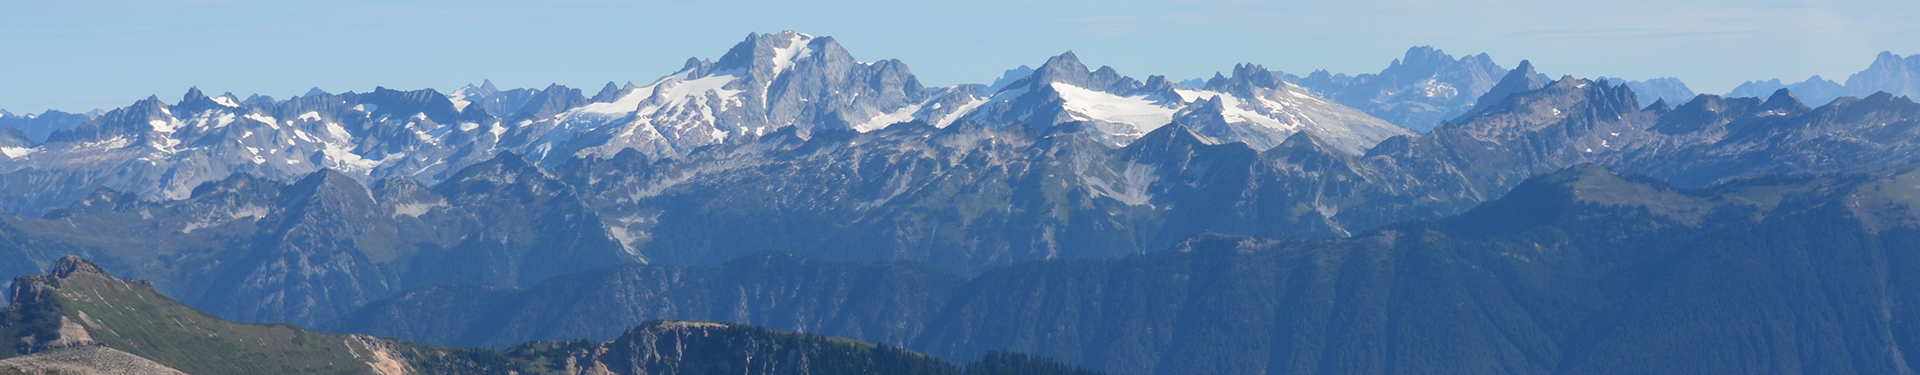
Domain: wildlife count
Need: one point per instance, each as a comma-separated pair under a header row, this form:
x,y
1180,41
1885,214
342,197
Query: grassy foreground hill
x,y
79,319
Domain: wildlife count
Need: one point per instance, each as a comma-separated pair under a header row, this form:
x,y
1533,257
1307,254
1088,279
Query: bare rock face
x,y
69,265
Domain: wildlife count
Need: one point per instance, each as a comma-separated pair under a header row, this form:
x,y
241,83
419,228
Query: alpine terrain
x,y
787,208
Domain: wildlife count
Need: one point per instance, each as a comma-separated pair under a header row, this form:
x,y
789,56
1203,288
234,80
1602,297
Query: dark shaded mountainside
x,y
255,250
78,319
963,199
1576,272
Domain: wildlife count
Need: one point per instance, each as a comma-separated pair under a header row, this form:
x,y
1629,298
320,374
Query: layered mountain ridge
x,y
790,185
161,151
1577,271
964,198
1888,73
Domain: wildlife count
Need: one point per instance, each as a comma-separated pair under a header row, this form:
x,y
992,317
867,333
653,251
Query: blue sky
x,y
82,54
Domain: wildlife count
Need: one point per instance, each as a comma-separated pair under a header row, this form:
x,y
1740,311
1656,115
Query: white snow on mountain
x,y
816,82
1140,111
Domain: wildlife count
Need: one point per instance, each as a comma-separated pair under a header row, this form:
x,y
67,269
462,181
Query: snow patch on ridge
x,y
1239,111
783,57
17,152
459,99
904,114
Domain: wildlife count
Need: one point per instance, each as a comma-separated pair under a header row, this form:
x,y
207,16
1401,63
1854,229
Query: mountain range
x,y
1249,222
1577,271
1888,73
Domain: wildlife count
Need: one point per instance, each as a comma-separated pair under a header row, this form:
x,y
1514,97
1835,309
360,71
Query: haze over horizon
x,y
82,55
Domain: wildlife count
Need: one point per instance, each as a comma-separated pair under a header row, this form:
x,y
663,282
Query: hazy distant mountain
x,y
36,128
1667,89
1416,91
1889,73
1007,78
1815,89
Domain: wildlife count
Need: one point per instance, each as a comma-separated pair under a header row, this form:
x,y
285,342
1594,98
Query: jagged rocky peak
x,y
398,103
30,289
1063,68
607,93
1564,101
1426,62
1607,101
695,67
1890,73
133,121
195,101
1425,57
69,265
1158,86
1213,105
1655,89
552,101
1521,79
193,95
1067,69
1246,76
1417,91
1659,107
1010,76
